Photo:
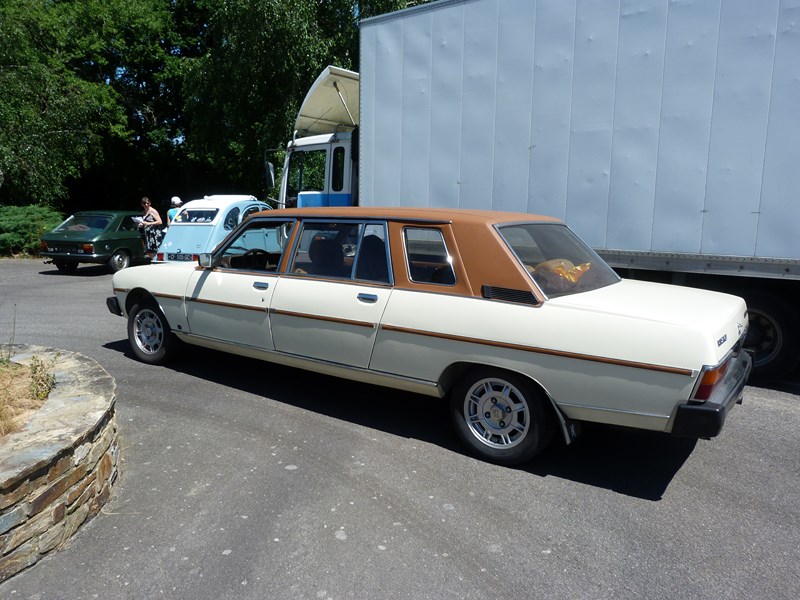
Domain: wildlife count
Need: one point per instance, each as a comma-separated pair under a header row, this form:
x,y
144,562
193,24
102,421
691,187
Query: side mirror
x,y
269,173
204,260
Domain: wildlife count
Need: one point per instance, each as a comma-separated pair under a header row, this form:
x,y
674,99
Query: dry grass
x,y
23,389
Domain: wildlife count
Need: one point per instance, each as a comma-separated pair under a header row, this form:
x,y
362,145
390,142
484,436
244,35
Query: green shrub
x,y
22,226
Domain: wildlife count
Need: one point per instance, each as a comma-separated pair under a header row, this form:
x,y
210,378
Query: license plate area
x,y
186,257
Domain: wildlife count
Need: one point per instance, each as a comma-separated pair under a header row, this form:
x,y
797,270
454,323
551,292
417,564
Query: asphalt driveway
x,y
242,479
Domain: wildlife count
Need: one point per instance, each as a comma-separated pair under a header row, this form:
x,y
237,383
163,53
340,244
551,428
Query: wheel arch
x,y
139,296
455,371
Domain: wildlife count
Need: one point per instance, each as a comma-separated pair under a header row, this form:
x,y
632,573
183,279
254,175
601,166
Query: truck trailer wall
x,y
647,125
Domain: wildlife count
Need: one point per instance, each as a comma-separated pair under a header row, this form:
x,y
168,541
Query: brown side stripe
x,y
322,318
600,359
226,304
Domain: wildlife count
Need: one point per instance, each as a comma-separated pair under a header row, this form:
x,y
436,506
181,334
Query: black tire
x,y
149,334
773,336
501,416
121,259
66,266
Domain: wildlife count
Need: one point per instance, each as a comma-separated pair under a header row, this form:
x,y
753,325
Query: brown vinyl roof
x,y
402,213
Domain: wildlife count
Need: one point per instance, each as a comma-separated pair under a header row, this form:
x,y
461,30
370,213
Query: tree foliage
x,y
107,100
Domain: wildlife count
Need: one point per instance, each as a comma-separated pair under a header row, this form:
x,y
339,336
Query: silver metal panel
x,y
388,116
778,232
366,132
554,31
415,132
739,126
478,106
512,119
648,125
687,97
447,82
588,183
640,66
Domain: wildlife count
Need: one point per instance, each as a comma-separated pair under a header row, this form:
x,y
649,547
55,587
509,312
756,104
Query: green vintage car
x,y
106,237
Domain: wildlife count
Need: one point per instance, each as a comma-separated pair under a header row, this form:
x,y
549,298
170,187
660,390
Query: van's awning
x,y
323,110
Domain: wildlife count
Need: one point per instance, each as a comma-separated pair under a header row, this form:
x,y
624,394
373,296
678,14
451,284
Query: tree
x,y
50,118
243,93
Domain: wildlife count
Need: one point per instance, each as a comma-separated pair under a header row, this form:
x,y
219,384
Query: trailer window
x,y
337,171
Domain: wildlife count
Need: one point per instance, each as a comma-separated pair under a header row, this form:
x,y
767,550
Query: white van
x,y
202,224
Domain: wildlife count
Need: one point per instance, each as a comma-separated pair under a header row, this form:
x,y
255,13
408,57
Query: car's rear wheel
x,y
121,259
502,417
149,334
65,266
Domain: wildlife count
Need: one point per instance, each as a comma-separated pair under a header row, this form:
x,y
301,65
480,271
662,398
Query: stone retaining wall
x,y
58,472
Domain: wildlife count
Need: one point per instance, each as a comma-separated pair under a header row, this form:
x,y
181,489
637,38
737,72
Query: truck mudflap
x,y
706,420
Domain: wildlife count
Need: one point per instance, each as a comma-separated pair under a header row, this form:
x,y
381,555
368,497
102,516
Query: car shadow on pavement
x,y
82,271
630,462
627,461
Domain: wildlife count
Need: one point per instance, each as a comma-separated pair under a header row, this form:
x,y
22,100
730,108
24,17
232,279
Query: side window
x,y
327,249
337,171
232,219
372,263
127,224
250,210
427,256
257,248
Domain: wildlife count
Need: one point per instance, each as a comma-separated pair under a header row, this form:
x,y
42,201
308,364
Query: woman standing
x,y
151,227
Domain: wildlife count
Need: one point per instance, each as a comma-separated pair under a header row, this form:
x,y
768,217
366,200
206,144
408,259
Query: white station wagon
x,y
511,317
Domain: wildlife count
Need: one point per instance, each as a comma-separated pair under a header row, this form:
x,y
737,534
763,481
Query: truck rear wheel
x,y
772,336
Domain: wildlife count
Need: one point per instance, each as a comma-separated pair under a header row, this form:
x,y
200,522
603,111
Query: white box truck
x,y
666,133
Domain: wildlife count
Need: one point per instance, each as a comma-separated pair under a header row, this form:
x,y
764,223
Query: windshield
x,y
557,260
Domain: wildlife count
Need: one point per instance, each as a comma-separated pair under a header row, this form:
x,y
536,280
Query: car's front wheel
x,y
119,260
149,334
501,416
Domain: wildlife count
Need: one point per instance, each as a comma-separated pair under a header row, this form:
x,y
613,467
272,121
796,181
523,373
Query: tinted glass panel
x,y
557,260
327,249
372,261
258,247
428,259
93,223
337,175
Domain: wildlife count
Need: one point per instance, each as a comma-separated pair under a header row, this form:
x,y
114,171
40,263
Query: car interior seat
x,y
372,263
327,257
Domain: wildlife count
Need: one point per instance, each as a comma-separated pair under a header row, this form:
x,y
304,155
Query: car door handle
x,y
260,285
370,298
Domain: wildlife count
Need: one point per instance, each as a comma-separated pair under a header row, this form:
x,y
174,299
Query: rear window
x,y
196,215
96,223
557,260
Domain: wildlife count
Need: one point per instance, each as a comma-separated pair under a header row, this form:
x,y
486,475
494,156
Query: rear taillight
x,y
88,248
710,378
43,246
159,256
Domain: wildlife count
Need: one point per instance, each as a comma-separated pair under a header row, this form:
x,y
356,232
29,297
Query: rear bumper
x,y
75,257
706,420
